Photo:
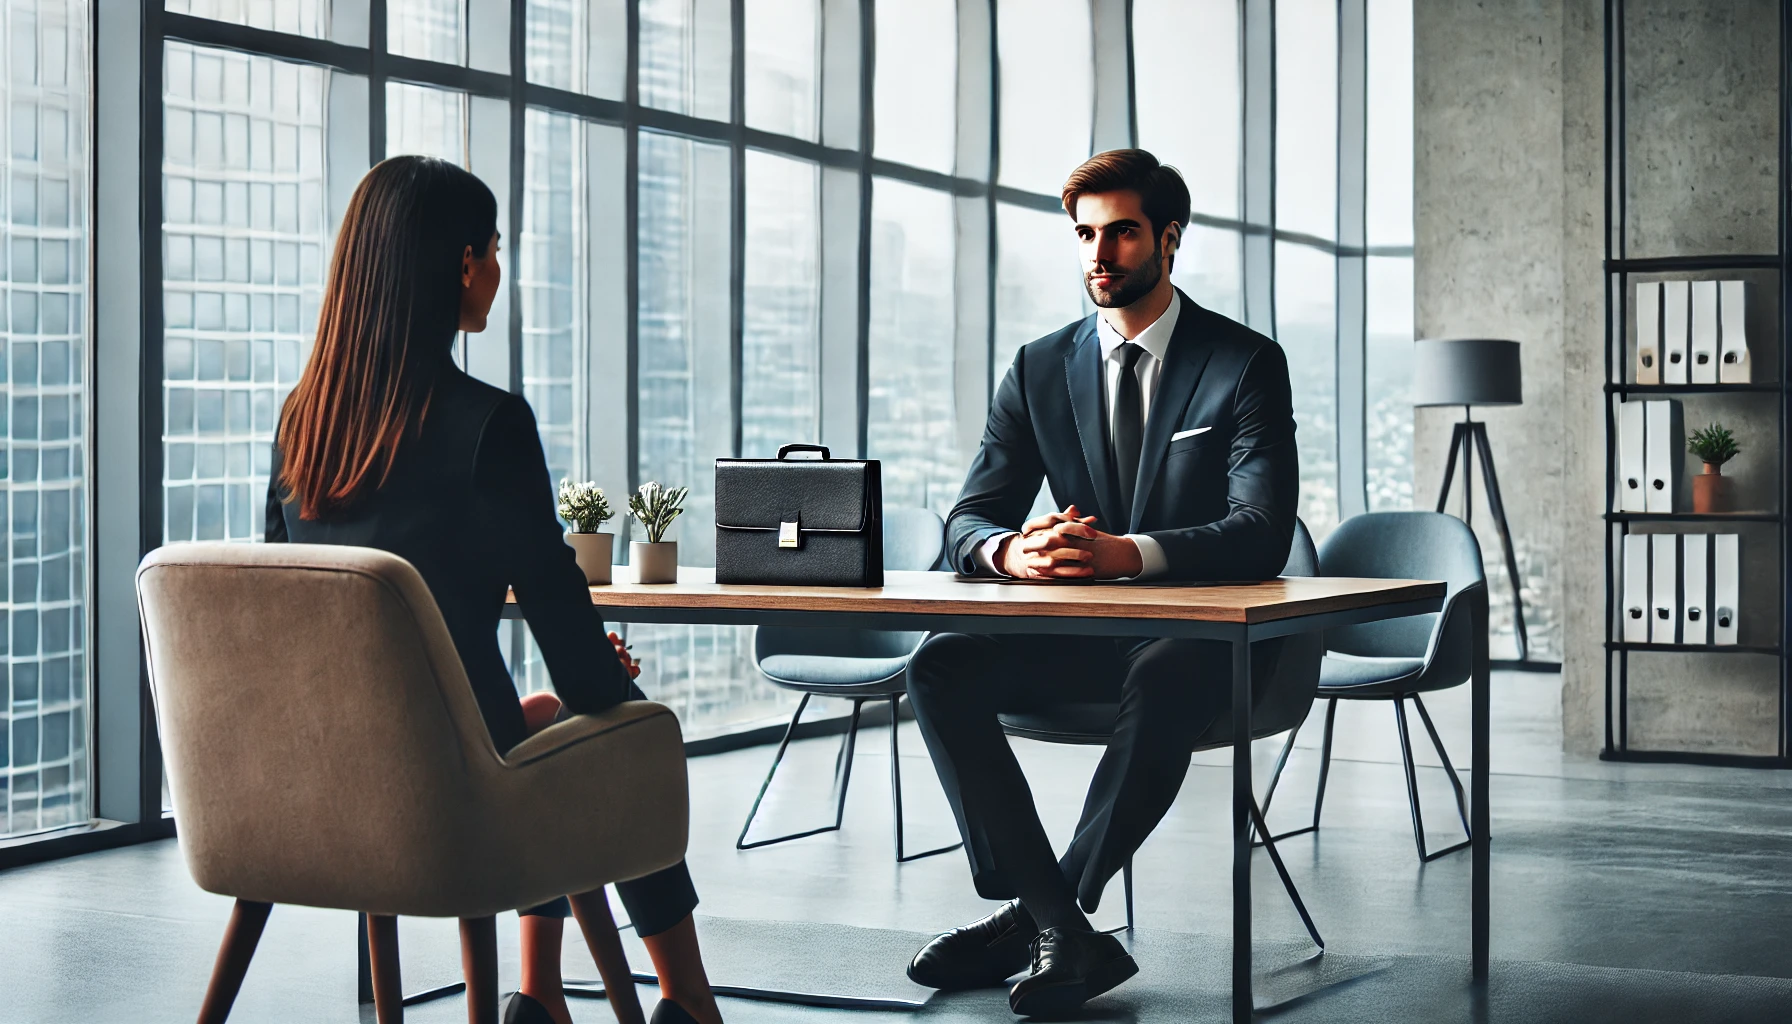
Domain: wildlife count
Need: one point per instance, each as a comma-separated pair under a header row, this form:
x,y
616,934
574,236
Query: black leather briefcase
x,y
814,522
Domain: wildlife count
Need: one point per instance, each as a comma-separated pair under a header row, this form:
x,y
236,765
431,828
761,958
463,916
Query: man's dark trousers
x,y
1169,693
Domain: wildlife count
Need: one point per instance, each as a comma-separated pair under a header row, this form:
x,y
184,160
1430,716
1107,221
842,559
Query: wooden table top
x,y
940,593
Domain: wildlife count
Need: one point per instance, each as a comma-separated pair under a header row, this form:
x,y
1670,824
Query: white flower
x,y
584,506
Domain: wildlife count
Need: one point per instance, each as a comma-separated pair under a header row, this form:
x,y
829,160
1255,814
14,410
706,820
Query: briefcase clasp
x,y
787,535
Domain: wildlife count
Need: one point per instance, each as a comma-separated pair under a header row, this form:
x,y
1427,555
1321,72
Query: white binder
x,y
1695,608
1662,455
1636,588
1664,577
1630,457
1703,347
1733,366
1726,587
1675,330
1648,332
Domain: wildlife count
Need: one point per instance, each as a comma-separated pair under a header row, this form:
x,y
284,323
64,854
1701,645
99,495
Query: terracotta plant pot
x,y
654,563
1710,491
594,553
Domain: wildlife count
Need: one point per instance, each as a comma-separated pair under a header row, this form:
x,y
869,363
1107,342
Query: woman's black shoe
x,y
669,1012
524,1009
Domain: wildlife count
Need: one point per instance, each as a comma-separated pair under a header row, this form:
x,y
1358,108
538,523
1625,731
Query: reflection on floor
x,y
1604,877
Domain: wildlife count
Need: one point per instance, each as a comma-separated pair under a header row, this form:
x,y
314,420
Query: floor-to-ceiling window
x,y
1183,48
912,373
44,103
1325,221
718,333
1306,204
911,418
827,222
244,237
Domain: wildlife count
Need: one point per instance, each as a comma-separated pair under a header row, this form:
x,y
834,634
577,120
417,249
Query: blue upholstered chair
x,y
1280,705
859,665
1398,659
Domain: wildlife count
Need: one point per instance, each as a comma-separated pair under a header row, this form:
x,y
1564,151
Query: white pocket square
x,y
1179,435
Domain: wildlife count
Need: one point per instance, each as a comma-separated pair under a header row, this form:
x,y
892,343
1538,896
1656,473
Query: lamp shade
x,y
1466,371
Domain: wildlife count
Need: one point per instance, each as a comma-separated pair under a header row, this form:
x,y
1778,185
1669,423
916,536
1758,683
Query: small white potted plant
x,y
656,560
586,510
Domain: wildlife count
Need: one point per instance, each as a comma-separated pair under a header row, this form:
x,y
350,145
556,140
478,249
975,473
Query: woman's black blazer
x,y
469,503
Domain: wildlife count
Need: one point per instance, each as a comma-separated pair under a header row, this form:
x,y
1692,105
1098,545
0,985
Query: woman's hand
x,y
628,660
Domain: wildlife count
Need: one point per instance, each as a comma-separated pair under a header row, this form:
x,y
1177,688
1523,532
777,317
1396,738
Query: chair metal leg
x,y
896,788
1300,906
777,758
1412,782
1450,773
1274,778
479,964
1449,769
1325,767
842,778
843,762
1126,884
241,936
1325,759
1126,878
1412,776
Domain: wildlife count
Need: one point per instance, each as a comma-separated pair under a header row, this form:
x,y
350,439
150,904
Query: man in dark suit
x,y
1166,432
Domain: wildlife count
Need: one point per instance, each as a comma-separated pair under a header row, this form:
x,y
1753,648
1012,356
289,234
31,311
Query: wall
x,y
1509,216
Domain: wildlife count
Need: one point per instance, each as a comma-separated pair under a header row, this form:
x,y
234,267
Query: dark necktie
x,y
1129,432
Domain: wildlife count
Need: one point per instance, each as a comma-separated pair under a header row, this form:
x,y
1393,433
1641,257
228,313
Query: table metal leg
x,y
1242,801
1479,852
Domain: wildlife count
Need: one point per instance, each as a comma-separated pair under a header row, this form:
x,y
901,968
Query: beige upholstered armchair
x,y
323,748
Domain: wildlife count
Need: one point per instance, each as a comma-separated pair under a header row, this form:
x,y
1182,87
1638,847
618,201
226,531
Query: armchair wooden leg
x,y
382,954
593,911
479,962
241,936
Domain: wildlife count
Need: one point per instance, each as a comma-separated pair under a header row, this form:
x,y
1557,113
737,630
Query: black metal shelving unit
x,y
1619,266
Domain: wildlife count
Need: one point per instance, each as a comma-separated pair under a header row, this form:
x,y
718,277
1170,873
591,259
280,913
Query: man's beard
x,y
1135,285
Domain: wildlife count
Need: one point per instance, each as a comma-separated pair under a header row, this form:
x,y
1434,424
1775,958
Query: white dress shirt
x,y
1155,340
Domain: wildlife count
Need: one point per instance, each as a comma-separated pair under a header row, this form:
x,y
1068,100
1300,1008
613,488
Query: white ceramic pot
x,y
593,551
654,563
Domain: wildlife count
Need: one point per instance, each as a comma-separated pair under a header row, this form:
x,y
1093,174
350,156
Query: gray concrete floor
x,y
1651,868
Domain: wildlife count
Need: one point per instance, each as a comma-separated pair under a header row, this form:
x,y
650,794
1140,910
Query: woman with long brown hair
x,y
385,443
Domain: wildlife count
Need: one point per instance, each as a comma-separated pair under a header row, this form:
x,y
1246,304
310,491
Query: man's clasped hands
x,y
1066,545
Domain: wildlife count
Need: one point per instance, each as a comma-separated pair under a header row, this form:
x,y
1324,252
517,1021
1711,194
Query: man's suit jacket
x,y
1221,503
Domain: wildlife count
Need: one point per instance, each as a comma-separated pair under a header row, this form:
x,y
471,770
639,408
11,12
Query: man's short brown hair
x,y
1162,192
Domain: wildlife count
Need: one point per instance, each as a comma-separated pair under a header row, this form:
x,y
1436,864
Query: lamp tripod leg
x,y
1498,508
1456,442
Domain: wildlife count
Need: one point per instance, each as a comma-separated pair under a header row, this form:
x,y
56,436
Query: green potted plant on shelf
x,y
586,510
1713,446
656,559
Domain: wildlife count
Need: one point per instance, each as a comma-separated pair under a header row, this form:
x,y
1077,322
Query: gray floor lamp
x,y
1470,372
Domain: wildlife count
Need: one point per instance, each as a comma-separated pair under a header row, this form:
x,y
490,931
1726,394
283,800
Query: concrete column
x,y
1509,127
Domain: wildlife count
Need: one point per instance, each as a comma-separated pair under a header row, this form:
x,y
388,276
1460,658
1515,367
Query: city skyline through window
x,y
44,457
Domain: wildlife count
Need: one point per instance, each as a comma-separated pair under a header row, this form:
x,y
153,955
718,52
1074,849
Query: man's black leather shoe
x,y
978,955
1069,969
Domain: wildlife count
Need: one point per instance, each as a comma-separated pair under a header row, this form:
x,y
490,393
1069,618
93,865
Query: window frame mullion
x,y
1351,314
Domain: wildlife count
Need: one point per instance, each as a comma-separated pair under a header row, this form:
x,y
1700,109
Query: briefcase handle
x,y
787,449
